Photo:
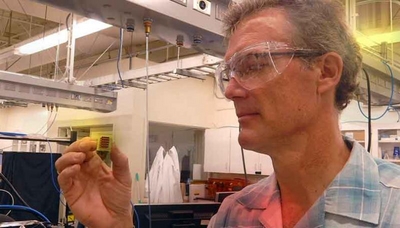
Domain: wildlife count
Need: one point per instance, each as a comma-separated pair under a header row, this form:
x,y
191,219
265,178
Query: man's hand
x,y
98,196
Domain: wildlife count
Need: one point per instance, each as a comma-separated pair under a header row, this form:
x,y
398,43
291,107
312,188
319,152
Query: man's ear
x,y
331,65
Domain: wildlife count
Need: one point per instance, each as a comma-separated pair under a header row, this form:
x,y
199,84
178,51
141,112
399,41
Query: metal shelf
x,y
25,88
389,141
197,67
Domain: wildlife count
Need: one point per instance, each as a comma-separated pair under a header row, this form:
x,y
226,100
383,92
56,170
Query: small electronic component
x,y
104,144
104,148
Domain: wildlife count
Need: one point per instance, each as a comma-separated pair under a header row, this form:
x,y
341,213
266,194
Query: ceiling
x,y
378,23
16,27
30,20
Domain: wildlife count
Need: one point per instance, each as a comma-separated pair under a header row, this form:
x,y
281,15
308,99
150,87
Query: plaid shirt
x,y
366,193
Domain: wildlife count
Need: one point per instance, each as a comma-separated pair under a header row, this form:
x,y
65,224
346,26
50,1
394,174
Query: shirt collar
x,y
251,196
264,196
355,192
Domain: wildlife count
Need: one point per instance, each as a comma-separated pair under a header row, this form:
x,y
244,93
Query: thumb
x,y
120,167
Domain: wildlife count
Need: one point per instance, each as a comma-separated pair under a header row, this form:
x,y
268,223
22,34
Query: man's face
x,y
282,106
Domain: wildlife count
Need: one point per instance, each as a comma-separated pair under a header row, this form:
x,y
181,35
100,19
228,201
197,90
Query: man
x,y
290,68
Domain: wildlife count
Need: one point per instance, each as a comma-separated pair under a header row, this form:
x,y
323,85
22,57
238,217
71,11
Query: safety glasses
x,y
257,64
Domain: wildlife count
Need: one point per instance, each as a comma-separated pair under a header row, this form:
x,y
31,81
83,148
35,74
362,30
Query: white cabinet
x,y
256,163
229,147
217,150
235,159
266,164
388,140
385,137
356,131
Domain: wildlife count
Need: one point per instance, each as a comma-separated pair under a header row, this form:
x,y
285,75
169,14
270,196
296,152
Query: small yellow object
x,y
71,218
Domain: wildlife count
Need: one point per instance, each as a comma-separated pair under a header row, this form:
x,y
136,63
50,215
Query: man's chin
x,y
246,141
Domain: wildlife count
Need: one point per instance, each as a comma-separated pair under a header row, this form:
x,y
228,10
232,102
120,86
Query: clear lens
x,y
255,65
222,76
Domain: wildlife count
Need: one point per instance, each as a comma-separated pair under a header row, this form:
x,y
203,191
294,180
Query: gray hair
x,y
318,25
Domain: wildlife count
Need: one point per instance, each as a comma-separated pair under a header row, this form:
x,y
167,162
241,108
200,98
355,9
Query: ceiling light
x,y
80,30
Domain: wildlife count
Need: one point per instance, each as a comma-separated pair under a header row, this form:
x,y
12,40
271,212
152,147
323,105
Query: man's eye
x,y
257,67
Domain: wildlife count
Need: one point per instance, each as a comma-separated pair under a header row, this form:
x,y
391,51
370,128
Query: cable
x,y
147,123
369,111
98,58
390,100
48,119
52,173
23,208
177,58
8,7
67,21
13,189
121,40
137,215
23,9
147,25
12,64
56,67
244,167
51,168
11,196
244,163
398,114
179,44
55,116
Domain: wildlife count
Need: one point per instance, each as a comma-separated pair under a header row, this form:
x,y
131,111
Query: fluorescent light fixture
x,y
377,39
82,29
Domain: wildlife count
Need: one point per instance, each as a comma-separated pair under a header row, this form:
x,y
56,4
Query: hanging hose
x,y
147,26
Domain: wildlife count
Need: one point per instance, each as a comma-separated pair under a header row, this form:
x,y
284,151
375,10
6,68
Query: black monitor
x,y
182,215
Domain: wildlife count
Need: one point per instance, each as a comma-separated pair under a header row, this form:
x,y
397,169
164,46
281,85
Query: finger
x,y
65,178
69,159
82,145
86,145
120,165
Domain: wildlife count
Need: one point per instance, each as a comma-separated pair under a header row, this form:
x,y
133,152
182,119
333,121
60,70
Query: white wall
x,y
3,117
186,102
225,114
3,127
352,113
21,120
25,120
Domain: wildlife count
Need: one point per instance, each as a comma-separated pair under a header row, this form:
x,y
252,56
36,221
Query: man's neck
x,y
305,171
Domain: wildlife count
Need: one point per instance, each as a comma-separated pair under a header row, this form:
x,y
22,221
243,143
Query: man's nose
x,y
234,89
